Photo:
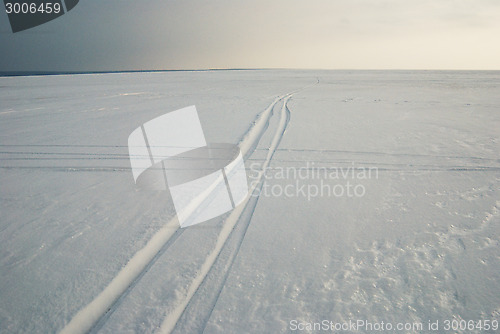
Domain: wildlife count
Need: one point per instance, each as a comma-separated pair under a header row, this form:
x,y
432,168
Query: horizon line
x,y
47,73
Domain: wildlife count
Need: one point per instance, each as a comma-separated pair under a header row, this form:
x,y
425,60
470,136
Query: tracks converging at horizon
x,y
94,315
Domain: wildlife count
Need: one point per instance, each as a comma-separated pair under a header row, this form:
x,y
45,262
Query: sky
x,y
111,35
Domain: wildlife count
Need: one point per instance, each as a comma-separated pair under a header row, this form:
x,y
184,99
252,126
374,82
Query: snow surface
x,y
83,249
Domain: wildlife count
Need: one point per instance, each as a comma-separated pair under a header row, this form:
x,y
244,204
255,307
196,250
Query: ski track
x,y
126,156
285,119
98,325
172,318
94,314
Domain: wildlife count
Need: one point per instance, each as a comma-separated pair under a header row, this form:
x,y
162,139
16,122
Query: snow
x,y
83,249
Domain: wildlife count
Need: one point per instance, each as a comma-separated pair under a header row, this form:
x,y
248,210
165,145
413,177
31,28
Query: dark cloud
x,y
157,34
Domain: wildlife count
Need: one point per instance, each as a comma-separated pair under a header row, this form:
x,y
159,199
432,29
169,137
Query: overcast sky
x,y
332,34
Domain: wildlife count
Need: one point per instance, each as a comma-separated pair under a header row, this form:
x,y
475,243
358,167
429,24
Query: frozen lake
x,y
377,198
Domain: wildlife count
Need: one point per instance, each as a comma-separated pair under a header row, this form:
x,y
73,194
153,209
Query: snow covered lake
x,y
380,202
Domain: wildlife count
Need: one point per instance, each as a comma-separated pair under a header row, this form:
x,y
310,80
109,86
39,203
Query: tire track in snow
x,y
171,320
95,312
